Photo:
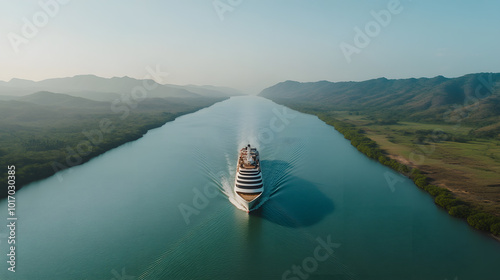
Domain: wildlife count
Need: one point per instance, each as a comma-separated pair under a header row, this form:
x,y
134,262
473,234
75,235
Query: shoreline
x,y
45,173
471,213
416,179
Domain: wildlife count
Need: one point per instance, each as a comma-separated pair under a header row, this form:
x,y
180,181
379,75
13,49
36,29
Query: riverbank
x,y
40,145
465,204
167,180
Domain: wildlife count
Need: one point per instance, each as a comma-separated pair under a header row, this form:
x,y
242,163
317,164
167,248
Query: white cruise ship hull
x,y
248,205
248,184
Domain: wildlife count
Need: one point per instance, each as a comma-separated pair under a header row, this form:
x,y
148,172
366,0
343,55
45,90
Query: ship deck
x,y
248,196
248,166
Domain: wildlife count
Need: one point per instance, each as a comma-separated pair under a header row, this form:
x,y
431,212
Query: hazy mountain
x,y
91,83
40,129
211,91
58,99
19,83
17,87
43,107
409,96
472,98
8,97
96,95
27,107
103,89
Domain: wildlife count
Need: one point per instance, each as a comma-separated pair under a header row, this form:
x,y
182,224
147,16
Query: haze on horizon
x,y
248,45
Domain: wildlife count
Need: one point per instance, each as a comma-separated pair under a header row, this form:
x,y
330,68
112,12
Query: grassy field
x,y
423,128
470,168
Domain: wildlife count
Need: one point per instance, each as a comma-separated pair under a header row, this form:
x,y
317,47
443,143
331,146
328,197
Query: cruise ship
x,y
248,185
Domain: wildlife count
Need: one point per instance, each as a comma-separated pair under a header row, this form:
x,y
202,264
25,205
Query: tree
x,y
482,221
446,201
495,229
460,211
435,190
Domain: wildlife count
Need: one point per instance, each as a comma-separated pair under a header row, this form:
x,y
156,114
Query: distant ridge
x,y
211,91
104,89
58,99
411,97
474,98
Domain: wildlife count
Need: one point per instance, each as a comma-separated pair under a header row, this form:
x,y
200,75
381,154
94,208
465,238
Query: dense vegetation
x,y
443,197
48,132
473,99
469,104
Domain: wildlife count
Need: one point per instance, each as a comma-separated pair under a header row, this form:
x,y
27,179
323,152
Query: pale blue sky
x,y
259,43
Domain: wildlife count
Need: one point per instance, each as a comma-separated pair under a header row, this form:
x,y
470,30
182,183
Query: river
x,y
161,208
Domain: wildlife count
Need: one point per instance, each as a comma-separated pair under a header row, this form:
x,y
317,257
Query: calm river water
x,y
160,208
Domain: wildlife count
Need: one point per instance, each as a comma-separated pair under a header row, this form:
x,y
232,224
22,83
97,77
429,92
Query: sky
x,y
248,44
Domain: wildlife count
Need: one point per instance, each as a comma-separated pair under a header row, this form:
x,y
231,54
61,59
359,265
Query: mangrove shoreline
x,y
444,198
43,158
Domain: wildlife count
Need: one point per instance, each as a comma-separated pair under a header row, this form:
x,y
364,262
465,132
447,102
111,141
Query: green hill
x,y
472,99
40,131
443,133
59,99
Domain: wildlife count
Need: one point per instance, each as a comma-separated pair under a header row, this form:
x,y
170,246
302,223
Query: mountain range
x,y
42,123
104,89
473,99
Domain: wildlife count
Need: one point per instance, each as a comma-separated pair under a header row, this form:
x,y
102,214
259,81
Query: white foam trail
x,y
244,128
